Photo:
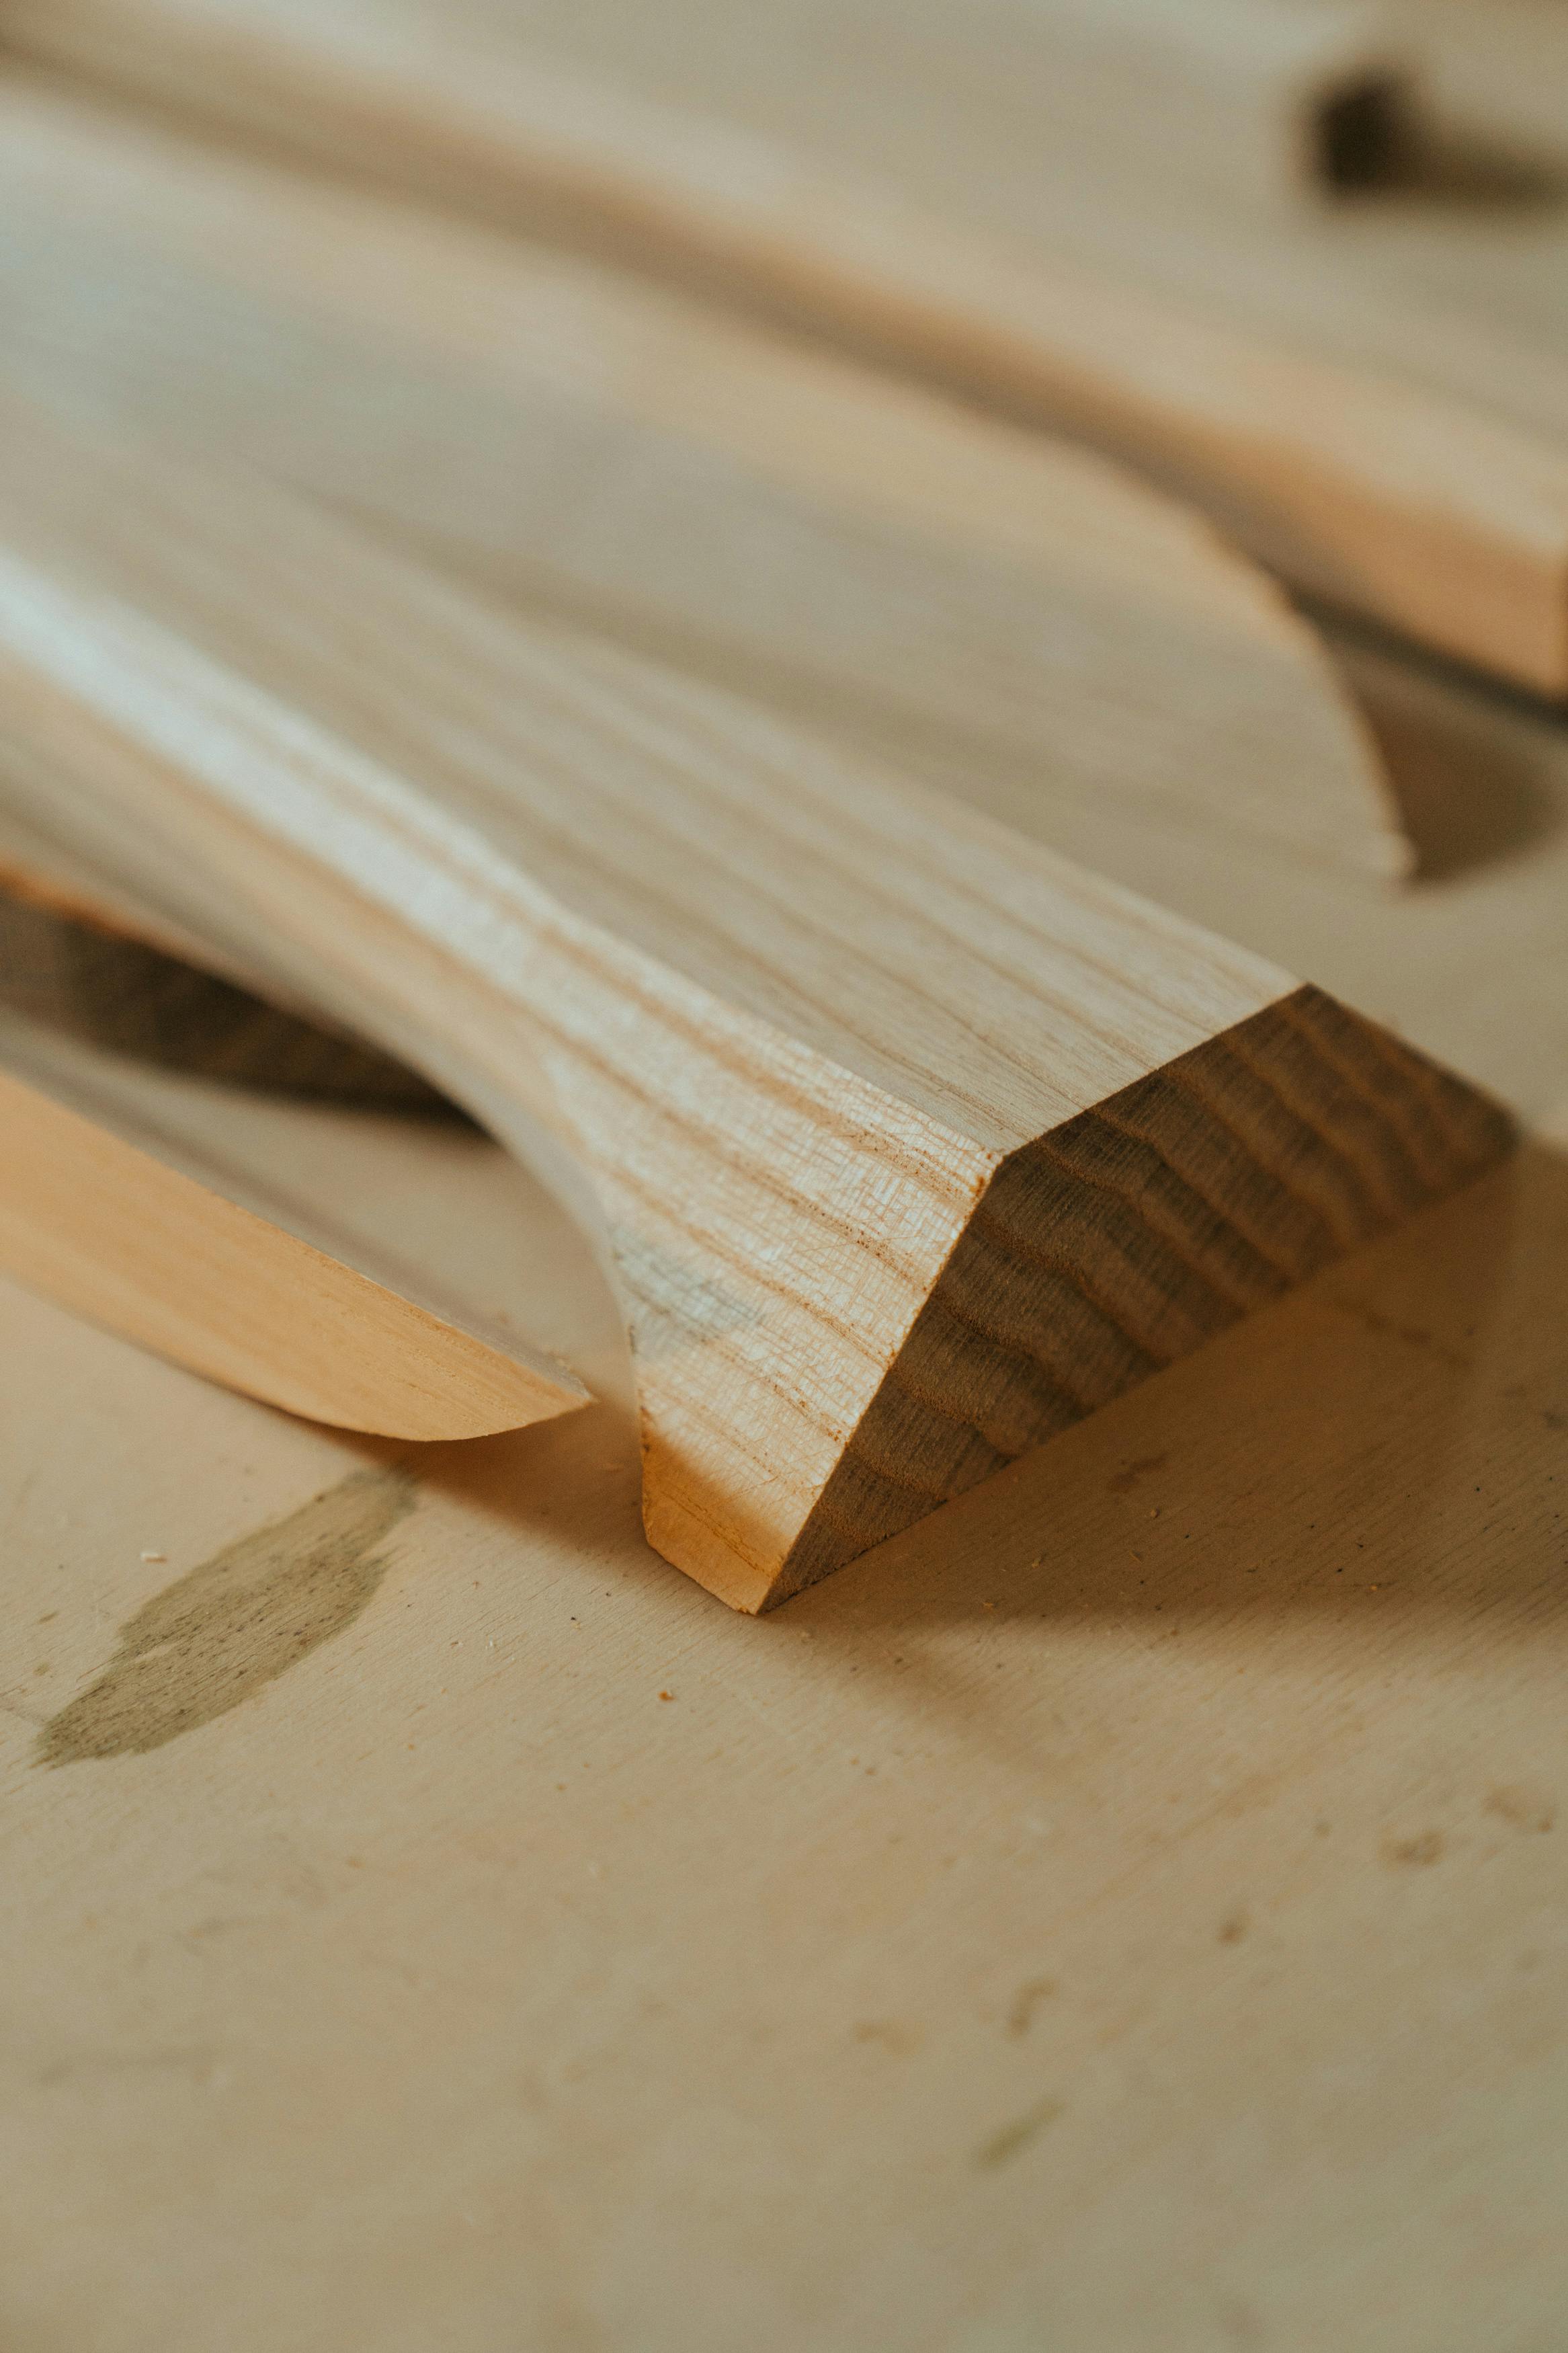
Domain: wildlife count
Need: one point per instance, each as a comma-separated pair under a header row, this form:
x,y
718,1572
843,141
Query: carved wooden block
x,y
907,1143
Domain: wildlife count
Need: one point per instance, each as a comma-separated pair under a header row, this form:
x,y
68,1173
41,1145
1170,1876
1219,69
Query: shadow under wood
x,y
1361,134
1382,1442
1476,769
259,1608
135,1000
1370,149
1389,1442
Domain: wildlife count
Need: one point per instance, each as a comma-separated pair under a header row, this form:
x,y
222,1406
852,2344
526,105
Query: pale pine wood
x,y
908,1144
120,1219
995,612
1440,511
1472,968
1259,100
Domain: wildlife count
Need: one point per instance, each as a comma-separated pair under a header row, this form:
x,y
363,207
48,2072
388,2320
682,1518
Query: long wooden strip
x,y
909,1142
1394,498
1260,101
1003,615
123,1220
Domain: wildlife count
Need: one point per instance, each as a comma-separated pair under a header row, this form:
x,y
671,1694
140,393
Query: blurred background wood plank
x,y
1257,101
979,606
1381,415
1495,72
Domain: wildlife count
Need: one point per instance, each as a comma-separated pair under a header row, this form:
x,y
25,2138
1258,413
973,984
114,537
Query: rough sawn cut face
x,y
1122,1240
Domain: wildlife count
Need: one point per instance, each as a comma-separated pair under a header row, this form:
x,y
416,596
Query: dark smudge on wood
x,y
236,1624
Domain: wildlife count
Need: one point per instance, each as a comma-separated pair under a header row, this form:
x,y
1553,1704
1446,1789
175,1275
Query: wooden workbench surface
x,y
1127,1912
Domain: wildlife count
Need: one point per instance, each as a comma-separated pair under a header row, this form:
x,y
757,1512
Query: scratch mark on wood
x,y
1421,1851
1026,2001
1525,1809
1014,2139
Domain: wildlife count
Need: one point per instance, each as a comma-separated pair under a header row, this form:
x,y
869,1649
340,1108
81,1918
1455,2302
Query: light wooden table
x,y
1128,1914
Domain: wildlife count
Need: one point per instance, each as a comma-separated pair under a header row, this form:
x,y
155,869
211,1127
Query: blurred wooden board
x,y
1499,68
980,606
1127,1913
1263,105
1381,440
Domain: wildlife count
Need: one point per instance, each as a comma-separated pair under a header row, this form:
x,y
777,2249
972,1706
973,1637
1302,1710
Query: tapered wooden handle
x,y
907,1142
